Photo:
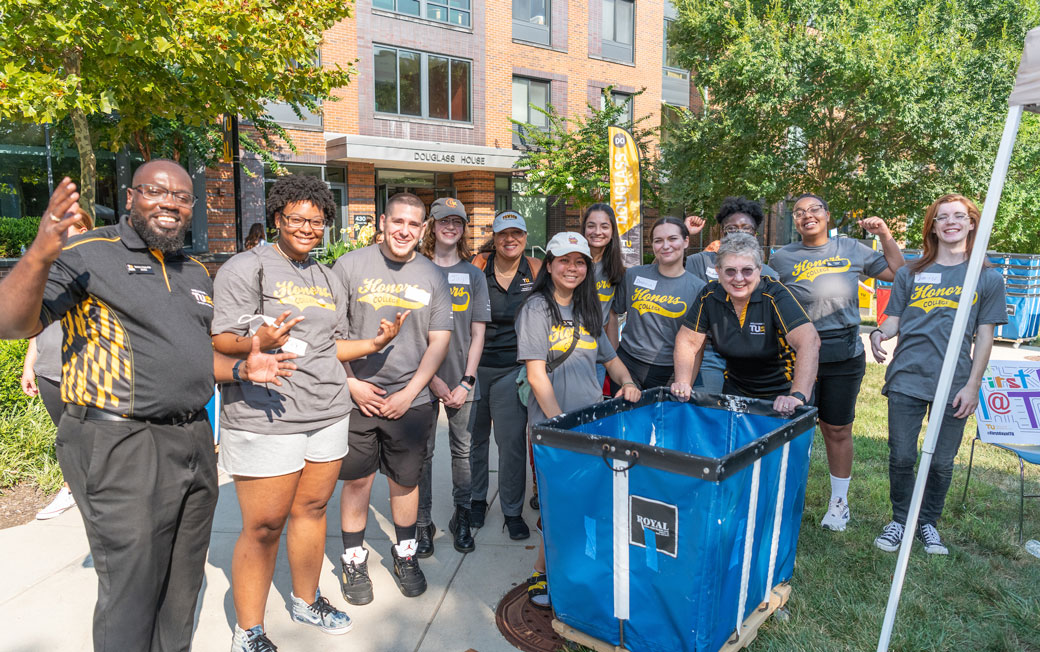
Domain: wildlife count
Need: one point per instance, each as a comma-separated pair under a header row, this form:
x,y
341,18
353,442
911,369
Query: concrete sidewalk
x,y
49,588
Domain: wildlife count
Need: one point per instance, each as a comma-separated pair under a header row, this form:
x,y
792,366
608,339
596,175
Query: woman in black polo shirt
x,y
510,278
757,326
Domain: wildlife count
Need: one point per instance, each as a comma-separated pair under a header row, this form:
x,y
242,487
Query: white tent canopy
x,y
1026,96
1027,83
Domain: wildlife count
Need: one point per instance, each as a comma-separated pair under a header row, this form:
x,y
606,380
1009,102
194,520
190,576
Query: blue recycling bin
x,y
667,523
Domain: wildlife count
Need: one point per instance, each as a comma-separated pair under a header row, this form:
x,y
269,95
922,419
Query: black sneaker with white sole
x,y
929,536
354,580
890,538
409,576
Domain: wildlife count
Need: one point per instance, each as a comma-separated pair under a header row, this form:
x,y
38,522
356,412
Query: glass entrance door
x,y
428,186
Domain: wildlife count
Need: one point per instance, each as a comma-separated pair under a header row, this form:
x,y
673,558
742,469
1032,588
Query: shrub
x,y
12,354
15,233
27,447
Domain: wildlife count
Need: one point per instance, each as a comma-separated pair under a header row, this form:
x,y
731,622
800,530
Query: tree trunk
x,y
81,134
87,162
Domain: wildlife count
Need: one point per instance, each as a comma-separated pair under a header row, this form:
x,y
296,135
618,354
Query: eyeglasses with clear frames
x,y
815,211
296,221
744,272
738,228
156,194
956,217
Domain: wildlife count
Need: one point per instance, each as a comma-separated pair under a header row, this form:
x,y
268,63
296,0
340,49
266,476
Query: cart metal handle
x,y
608,449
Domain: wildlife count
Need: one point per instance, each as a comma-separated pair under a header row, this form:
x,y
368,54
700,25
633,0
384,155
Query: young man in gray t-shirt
x,y
391,422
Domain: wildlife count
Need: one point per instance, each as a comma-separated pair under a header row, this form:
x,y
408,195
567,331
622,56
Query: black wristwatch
x,y
800,396
234,371
470,380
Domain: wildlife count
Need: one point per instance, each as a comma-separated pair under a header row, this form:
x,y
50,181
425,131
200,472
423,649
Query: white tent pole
x,y
942,392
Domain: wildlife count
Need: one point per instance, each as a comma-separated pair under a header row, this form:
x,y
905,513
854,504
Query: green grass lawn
x,y
984,596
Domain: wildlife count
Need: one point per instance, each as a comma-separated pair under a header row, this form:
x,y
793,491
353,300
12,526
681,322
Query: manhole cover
x,y
525,626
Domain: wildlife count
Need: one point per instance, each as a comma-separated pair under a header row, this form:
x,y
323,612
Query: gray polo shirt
x,y
469,303
379,288
655,305
925,303
825,279
574,382
263,281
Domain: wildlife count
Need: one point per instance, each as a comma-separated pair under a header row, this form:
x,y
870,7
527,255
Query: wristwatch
x,y
234,371
800,396
469,380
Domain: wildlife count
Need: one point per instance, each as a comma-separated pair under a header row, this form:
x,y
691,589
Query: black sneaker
x,y
354,580
424,541
517,528
477,512
409,576
459,527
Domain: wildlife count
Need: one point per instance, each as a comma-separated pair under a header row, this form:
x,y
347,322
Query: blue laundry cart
x,y
666,524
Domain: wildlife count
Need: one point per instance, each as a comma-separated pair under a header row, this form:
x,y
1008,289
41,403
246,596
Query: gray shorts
x,y
258,455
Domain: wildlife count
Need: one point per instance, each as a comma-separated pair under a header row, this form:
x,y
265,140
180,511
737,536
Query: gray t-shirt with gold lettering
x,y
379,288
315,395
575,383
655,305
925,303
469,303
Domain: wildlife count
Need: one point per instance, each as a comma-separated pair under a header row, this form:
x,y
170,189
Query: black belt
x,y
86,413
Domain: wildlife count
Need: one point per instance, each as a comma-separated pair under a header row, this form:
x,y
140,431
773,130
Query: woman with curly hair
x,y
284,445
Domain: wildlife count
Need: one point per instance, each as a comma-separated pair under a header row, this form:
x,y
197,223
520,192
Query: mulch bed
x,y
19,504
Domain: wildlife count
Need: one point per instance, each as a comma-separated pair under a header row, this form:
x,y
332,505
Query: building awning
x,y
1027,83
418,154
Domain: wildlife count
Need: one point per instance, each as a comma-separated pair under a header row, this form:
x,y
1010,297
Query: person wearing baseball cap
x,y
561,338
510,278
454,386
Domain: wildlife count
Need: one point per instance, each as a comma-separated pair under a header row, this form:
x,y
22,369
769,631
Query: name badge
x,y
458,278
413,293
648,283
526,285
132,268
928,277
711,272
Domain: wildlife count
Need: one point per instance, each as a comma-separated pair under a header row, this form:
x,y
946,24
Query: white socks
x,y
356,554
840,488
406,548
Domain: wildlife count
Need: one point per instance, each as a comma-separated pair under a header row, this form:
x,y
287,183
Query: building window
x,y
618,28
675,81
503,198
671,64
623,100
528,94
453,12
531,21
422,85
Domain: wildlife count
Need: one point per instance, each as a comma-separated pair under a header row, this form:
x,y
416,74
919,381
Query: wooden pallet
x,y
748,631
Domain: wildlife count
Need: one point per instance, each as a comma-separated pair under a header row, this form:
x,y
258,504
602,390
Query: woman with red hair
x,y
925,296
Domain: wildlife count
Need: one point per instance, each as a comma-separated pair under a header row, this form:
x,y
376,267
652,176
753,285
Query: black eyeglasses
x,y
157,194
296,221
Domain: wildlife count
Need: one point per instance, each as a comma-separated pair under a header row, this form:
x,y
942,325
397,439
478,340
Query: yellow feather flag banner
x,y
624,193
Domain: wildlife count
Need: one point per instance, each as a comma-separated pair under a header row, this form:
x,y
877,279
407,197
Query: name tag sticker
x,y
928,277
132,268
648,283
457,278
413,293
526,286
711,272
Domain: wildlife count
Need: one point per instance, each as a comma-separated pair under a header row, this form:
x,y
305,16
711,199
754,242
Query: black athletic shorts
x,y
837,388
397,447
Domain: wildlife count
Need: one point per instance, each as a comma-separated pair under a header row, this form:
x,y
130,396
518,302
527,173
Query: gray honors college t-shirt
x,y
469,303
379,288
315,395
925,303
604,290
825,280
574,382
656,305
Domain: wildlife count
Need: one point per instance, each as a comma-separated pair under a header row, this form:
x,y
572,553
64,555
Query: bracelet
x,y
234,371
466,387
876,330
632,383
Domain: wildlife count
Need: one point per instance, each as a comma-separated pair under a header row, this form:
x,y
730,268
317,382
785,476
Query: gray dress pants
x,y
499,405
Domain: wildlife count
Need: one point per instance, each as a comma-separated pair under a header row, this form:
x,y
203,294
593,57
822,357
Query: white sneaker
x,y
837,516
61,503
929,536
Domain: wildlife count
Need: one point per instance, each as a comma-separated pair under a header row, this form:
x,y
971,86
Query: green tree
x,y
125,73
877,105
570,157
